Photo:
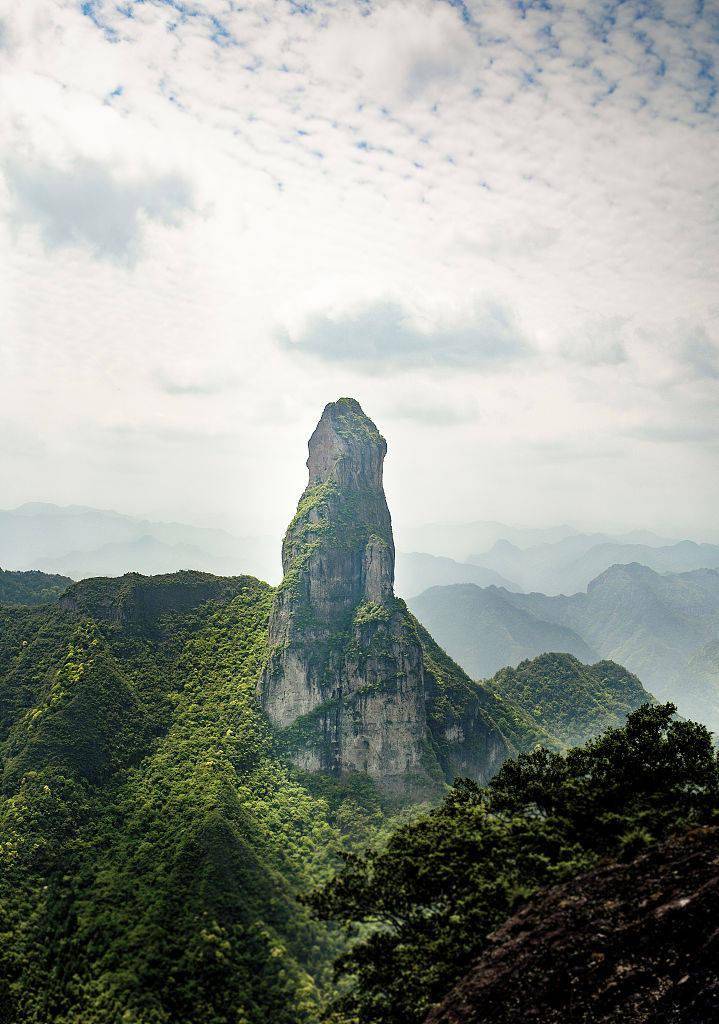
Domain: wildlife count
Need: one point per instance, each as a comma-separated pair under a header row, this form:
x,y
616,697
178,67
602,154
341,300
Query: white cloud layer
x,y
493,222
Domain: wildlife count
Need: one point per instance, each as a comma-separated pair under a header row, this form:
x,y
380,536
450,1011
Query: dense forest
x,y
162,861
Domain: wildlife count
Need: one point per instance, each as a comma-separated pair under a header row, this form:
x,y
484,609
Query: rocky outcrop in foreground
x,y
634,943
346,680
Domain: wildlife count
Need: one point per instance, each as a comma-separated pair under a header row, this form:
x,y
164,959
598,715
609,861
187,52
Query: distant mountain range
x,y
483,630
568,565
416,571
77,541
664,628
460,540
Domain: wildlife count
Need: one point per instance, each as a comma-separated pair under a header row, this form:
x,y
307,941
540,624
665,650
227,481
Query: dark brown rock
x,y
634,943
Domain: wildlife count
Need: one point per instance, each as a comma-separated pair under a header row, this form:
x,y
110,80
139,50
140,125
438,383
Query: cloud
x,y
681,433
194,383
698,353
86,204
598,343
384,337
398,52
429,413
559,156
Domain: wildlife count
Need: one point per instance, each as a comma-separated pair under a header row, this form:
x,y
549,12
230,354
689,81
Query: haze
x,y
493,224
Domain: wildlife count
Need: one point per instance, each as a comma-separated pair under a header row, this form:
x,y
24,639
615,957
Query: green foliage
x,y
31,588
88,722
571,701
426,902
152,843
371,611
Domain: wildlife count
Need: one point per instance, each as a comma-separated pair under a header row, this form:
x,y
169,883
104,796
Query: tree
x,y
420,908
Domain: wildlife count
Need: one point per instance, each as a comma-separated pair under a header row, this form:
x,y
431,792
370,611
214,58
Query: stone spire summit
x,y
345,680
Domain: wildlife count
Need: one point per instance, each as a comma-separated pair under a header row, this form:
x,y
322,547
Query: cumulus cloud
x,y
384,337
86,204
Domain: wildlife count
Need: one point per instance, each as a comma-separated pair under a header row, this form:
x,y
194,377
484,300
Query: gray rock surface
x,y
346,680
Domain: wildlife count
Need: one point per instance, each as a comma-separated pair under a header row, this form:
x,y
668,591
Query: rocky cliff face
x,y
345,678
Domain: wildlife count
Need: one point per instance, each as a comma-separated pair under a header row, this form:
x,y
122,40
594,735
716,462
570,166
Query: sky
x,y
496,224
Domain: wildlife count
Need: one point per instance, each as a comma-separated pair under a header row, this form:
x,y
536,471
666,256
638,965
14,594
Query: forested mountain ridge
x,y
154,839
153,843
572,702
31,588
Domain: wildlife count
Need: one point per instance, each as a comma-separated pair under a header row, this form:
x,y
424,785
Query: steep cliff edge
x,y
346,680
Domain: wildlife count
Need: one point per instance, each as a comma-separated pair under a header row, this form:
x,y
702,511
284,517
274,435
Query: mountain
x,y
152,844
468,542
459,540
567,566
660,626
570,701
415,572
637,941
78,541
30,588
346,680
145,554
484,630
182,756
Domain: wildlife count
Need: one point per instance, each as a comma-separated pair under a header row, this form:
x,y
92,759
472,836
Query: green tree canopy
x,y
421,907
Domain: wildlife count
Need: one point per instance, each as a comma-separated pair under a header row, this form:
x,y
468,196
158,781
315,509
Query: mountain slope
x,y
152,844
483,630
653,624
31,588
571,701
661,627
153,839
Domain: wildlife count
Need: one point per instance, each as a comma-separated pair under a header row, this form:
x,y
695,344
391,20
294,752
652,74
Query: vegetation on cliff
x,y
625,943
